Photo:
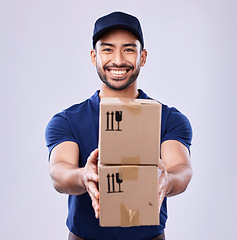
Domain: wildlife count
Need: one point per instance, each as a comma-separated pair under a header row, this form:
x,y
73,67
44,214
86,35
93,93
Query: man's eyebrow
x,y
130,45
106,44
124,45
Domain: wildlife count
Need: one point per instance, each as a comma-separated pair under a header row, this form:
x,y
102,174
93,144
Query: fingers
x,y
94,195
91,179
93,192
163,181
162,191
92,189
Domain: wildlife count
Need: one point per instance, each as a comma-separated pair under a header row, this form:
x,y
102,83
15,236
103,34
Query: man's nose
x,y
118,58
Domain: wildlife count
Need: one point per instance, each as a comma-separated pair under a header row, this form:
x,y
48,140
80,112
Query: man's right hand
x,y
91,178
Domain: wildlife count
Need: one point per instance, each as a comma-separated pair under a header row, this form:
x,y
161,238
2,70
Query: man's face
x,y
118,58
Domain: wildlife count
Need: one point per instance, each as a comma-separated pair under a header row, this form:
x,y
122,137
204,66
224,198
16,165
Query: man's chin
x,y
119,87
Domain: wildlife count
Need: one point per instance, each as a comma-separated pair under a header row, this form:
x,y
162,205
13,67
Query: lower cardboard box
x,y
128,195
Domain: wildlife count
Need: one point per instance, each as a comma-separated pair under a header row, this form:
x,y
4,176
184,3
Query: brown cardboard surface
x,y
128,195
129,131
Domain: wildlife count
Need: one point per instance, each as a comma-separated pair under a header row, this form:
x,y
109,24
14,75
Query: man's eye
x,y
129,50
107,50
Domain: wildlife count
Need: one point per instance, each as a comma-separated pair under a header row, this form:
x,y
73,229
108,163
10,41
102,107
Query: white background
x,y
45,67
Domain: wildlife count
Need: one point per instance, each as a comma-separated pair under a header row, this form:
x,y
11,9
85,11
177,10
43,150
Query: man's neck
x,y
129,92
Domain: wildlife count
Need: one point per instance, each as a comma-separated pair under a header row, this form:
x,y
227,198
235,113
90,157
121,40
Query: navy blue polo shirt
x,y
80,124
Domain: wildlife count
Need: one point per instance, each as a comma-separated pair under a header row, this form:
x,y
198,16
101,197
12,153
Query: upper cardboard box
x,y
129,131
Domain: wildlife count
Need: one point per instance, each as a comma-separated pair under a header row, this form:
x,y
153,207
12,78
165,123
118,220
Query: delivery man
x,y
72,135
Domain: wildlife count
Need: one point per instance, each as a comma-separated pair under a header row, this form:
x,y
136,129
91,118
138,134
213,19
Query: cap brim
x,y
99,34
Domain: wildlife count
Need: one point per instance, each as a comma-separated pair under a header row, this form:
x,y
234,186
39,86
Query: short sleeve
x,y
178,128
57,131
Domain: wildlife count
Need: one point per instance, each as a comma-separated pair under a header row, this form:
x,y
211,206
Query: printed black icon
x,y
119,181
118,118
111,187
110,120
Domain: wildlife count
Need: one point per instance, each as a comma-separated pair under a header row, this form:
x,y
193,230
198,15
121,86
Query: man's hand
x,y
91,178
163,182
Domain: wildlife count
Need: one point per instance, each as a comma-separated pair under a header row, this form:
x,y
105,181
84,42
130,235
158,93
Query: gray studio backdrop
x,y
45,67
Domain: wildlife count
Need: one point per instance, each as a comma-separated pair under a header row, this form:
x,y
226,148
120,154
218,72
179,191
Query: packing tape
x,y
131,105
128,172
128,216
130,160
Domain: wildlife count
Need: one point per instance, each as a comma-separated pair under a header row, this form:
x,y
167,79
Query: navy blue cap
x,y
117,20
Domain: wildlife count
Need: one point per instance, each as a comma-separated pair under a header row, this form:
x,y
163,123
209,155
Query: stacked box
x,y
129,152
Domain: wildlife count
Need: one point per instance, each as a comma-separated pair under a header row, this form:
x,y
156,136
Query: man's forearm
x,y
67,178
178,179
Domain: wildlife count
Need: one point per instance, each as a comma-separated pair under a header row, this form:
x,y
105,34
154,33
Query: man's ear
x,y
93,56
143,57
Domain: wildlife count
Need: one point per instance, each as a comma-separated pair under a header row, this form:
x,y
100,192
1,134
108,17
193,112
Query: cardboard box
x,y
129,131
128,195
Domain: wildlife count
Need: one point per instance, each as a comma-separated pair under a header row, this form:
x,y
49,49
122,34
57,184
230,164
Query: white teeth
x,y
116,72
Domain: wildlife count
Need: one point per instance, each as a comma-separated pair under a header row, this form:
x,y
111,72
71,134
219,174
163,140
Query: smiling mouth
x,y
118,74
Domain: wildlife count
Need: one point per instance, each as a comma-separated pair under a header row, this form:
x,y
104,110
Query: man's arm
x,y
69,178
176,169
